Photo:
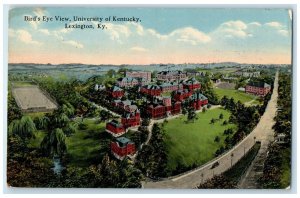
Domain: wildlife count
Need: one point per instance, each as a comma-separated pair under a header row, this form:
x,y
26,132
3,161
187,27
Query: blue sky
x,y
165,35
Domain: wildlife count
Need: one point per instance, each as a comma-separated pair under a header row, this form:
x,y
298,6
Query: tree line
x,y
277,167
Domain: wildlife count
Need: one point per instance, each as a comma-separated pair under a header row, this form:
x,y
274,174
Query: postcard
x,y
149,97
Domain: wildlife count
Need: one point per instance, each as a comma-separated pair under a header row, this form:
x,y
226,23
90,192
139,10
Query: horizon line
x,y
152,63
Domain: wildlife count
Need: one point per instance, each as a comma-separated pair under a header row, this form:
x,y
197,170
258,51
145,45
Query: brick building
x,y
139,74
191,84
170,86
122,147
164,108
121,103
198,101
258,88
171,76
127,82
152,90
131,117
181,95
115,128
115,92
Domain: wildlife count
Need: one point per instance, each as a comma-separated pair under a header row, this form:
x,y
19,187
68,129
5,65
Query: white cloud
x,y
73,43
281,29
231,29
283,32
23,36
65,30
39,12
257,24
44,31
34,24
190,35
239,25
155,34
117,32
138,49
274,24
138,28
59,34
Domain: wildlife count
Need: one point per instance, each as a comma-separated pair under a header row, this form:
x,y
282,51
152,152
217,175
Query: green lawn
x,y
193,143
85,147
88,146
36,142
237,95
35,114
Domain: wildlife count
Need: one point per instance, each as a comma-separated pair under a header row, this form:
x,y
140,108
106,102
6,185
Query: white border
x,y
153,3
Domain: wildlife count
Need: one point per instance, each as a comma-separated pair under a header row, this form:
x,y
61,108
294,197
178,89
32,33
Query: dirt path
x,y
249,103
104,108
262,132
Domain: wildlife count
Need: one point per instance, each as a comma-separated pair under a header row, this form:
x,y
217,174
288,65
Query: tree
x,y
212,121
54,143
191,114
67,109
111,73
152,159
145,122
13,111
241,82
41,122
225,122
70,129
221,116
24,128
60,120
104,115
106,173
217,139
122,70
184,111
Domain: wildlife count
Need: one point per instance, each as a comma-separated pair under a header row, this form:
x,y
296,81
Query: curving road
x,y
262,132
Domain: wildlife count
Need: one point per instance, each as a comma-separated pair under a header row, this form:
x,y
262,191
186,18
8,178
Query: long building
x,y
258,88
152,90
164,108
171,76
139,74
127,82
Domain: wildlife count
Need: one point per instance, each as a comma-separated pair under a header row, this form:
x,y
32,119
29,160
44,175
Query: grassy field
x,y
36,142
35,114
237,95
190,143
85,146
89,145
